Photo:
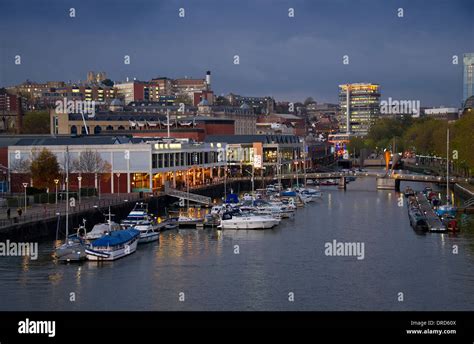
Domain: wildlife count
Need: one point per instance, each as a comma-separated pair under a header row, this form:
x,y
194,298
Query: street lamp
x,y
25,185
56,181
79,178
118,186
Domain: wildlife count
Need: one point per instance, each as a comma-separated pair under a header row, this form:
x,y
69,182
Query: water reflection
x,y
269,264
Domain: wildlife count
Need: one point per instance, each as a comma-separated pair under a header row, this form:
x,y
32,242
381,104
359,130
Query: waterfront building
x,y
133,164
468,76
360,107
286,150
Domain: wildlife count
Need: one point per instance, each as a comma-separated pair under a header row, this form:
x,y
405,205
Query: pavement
x,y
42,211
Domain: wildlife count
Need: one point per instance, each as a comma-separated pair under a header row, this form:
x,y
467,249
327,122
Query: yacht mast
x,y
447,167
67,192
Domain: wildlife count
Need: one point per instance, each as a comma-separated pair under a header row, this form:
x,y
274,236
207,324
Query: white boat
x,y
247,221
113,245
73,249
184,221
138,214
313,193
149,231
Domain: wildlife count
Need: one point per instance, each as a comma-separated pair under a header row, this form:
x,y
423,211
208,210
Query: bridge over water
x,y
387,181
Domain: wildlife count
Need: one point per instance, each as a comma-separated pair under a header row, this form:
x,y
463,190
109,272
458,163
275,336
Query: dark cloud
x,y
290,58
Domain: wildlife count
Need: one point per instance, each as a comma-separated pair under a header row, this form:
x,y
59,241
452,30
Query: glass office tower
x,y
360,106
468,78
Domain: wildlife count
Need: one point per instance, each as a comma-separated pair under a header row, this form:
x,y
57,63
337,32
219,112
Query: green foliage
x,y
356,144
426,136
36,123
222,101
463,140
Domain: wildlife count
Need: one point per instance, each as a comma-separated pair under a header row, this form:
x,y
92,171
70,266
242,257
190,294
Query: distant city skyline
x,y
286,58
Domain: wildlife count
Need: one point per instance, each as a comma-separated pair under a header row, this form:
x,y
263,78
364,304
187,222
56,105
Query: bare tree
x,y
21,165
91,162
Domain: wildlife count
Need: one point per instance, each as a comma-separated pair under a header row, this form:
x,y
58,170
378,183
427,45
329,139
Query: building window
x,y
121,127
109,127
73,130
160,160
154,161
97,129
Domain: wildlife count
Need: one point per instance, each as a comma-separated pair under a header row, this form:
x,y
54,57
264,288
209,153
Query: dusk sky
x,y
287,58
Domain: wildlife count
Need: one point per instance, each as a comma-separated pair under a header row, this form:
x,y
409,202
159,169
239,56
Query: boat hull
x,y
148,237
112,254
230,224
71,252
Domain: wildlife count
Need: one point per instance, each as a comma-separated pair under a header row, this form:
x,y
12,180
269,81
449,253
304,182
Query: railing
x,y
469,202
44,212
186,195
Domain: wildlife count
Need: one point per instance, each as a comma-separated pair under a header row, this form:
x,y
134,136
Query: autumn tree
x,y
44,169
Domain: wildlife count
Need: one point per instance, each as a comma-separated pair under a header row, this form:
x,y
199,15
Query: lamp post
x,y
118,186
25,185
56,181
296,170
79,179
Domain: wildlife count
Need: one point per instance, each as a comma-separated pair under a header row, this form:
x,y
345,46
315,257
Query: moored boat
x,y
247,221
149,231
113,245
73,249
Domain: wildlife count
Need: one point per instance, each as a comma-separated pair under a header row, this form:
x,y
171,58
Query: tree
x,y
355,145
222,101
90,162
20,165
44,169
462,139
108,82
36,123
308,101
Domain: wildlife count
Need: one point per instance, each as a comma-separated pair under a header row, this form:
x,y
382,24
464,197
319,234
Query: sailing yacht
x,y
73,249
447,210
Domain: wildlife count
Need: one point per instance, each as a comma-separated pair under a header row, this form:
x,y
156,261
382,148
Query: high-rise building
x,y
360,106
468,77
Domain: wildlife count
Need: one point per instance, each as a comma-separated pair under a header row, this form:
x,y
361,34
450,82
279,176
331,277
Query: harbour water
x,y
207,269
